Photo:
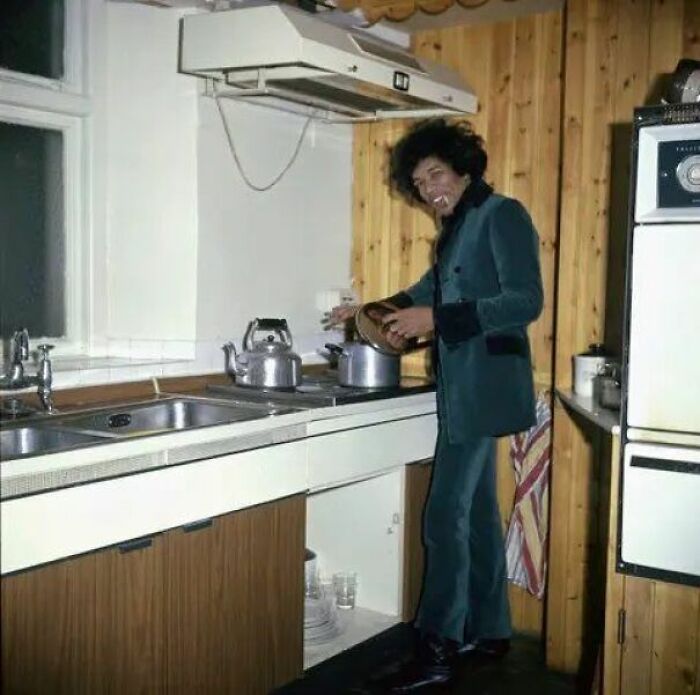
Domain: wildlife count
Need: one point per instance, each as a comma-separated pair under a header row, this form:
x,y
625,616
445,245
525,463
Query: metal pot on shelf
x,y
269,363
607,386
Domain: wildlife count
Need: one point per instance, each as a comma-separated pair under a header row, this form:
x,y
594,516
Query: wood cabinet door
x,y
48,629
263,603
215,607
417,484
129,615
661,647
91,624
194,619
235,601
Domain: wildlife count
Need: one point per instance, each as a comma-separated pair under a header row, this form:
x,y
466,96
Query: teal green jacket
x,y
485,288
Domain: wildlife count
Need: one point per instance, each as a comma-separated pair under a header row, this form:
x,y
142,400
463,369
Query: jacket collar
x,y
475,194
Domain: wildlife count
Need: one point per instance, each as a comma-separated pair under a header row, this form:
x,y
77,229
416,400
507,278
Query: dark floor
x,y
521,672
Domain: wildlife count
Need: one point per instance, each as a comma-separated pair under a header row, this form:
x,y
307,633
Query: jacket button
x,y
458,269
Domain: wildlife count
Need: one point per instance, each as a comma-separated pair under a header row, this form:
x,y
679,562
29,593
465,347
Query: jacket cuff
x,y
401,300
457,322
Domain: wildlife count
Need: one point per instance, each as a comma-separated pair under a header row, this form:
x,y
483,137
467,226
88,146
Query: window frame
x,y
63,105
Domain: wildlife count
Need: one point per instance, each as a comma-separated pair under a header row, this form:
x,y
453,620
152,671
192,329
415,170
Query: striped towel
x,y
526,542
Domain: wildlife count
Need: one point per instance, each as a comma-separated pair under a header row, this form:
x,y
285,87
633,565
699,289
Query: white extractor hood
x,y
273,52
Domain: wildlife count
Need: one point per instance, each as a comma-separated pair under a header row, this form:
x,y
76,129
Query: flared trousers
x,y
464,593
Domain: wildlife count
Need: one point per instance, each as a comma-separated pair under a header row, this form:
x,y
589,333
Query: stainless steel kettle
x,y
269,363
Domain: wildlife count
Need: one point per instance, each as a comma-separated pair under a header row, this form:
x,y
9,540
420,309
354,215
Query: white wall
x,y
151,206
183,251
270,253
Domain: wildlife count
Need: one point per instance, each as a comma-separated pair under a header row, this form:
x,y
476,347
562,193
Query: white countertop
x,y
134,455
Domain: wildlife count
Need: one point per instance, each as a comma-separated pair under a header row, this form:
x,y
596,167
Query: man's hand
x,y
411,322
341,313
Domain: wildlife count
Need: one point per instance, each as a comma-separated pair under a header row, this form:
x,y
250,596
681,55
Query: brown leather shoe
x,y
482,647
433,666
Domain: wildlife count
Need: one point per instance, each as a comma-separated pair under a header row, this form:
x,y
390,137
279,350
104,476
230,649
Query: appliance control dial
x,y
688,173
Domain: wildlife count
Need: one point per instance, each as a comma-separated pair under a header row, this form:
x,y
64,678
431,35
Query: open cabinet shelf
x,y
356,625
358,527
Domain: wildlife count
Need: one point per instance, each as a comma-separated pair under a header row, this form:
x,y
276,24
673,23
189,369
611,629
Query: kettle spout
x,y
232,364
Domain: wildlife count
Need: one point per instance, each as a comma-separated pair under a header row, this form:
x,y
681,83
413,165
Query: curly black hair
x,y
455,144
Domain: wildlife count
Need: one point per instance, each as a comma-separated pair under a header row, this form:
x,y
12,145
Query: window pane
x,y
31,37
32,240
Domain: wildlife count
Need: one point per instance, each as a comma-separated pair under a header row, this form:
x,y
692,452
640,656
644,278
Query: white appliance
x,y
660,488
275,52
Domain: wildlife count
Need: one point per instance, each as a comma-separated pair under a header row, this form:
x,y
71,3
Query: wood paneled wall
x,y
515,69
556,97
617,52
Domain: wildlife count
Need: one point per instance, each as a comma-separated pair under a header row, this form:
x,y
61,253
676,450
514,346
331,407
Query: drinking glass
x,y
345,587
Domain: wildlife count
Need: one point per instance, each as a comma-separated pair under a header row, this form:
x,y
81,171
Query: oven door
x,y
660,513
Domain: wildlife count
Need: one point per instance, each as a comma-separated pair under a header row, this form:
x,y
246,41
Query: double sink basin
x,y
54,433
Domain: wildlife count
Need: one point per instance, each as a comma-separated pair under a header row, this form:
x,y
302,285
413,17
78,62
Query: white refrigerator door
x,y
664,341
660,503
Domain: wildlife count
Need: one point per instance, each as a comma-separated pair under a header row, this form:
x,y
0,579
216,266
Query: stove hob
x,y
323,390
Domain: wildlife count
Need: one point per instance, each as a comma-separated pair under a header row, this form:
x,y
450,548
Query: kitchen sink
x,y
169,414
26,441
163,416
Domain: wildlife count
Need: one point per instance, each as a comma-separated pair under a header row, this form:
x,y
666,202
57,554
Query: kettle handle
x,y
278,326
334,349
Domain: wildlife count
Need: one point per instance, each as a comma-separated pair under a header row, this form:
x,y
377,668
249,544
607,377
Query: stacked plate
x,y
320,621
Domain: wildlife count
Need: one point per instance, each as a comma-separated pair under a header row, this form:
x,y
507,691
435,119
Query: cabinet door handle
x,y
197,525
136,544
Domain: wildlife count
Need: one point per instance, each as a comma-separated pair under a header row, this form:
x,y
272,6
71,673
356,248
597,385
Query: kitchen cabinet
x,y
357,527
651,640
642,636
215,606
371,527
357,512
235,603
129,615
86,625
48,629
208,597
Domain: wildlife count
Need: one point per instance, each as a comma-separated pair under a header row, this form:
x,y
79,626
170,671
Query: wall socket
x,y
327,299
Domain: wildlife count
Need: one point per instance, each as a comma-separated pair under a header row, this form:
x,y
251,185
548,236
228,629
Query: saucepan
x,y
373,360
360,364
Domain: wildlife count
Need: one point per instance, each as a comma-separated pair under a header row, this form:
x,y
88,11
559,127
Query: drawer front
x,y
660,521
365,451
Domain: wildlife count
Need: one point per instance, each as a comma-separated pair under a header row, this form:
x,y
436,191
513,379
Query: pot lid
x,y
596,350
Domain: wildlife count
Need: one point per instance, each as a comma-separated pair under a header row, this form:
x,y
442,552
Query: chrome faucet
x,y
44,378
16,379
19,351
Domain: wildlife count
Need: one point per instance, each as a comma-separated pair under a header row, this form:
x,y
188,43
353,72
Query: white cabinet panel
x,y
664,369
358,528
660,498
365,451
45,527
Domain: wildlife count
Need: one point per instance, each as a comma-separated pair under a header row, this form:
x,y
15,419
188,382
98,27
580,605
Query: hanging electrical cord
x,y
232,147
